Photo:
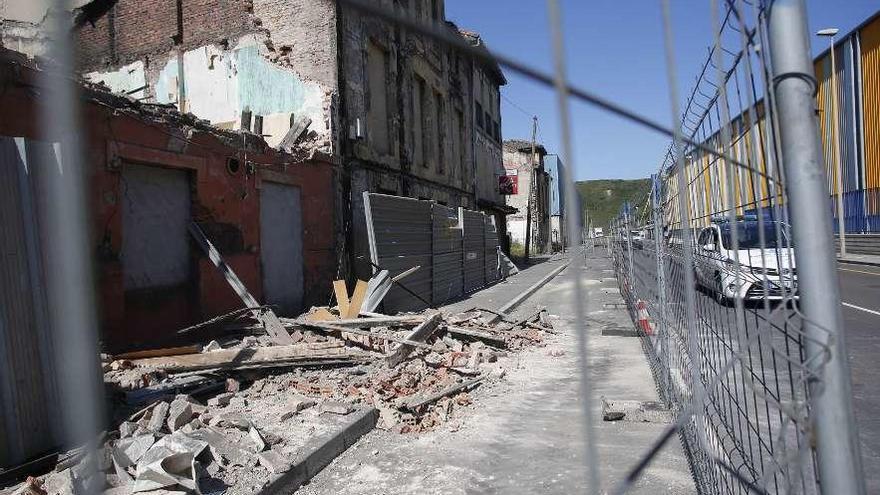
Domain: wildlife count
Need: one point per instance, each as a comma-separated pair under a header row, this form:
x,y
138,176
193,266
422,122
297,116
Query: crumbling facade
x,y
529,173
152,172
396,112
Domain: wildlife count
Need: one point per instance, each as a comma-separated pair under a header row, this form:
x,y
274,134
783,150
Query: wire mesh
x,y
734,365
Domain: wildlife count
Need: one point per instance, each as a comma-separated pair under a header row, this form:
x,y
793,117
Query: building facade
x,y
396,112
528,172
556,171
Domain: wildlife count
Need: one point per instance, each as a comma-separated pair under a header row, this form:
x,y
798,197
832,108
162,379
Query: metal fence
x,y
744,341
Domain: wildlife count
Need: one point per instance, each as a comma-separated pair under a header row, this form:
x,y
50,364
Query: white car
x,y
766,271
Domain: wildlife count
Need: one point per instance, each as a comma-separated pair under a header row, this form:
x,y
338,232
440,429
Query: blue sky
x,y
615,49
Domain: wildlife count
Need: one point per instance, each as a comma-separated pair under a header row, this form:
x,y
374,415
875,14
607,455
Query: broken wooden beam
x,y
419,334
383,321
485,337
416,403
332,327
233,358
356,301
167,351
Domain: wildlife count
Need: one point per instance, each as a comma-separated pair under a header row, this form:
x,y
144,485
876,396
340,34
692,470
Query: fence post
x,y
662,329
837,448
629,251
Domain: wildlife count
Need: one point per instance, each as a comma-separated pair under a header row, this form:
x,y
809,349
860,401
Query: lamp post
x,y
841,227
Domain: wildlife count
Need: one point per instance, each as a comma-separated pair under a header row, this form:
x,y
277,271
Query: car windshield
x,y
776,235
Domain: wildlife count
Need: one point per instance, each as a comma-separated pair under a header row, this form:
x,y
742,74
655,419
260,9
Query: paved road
x,y
860,295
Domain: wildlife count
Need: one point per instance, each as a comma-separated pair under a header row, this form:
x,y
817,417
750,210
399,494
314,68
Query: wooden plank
x,y
168,351
332,327
419,334
246,356
357,300
485,337
320,314
384,321
416,403
270,321
341,292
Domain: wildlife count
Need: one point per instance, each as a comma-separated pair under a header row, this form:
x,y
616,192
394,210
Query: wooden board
x,y
320,314
357,300
419,334
341,292
246,356
167,351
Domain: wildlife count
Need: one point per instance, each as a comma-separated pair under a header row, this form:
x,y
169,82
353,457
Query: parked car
x,y
638,239
763,271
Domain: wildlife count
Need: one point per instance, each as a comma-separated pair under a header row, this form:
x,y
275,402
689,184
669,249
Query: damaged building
x,y
395,112
531,178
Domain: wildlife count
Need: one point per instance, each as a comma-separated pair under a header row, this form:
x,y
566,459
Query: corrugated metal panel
x,y
474,251
450,245
25,429
869,45
402,234
448,280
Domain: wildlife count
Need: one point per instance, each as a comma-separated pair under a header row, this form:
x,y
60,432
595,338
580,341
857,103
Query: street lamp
x,y
841,229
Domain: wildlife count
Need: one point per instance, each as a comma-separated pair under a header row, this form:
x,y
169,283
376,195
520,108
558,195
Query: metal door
x,y
160,295
281,252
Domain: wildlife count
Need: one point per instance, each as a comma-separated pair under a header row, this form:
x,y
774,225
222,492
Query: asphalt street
x,y
860,295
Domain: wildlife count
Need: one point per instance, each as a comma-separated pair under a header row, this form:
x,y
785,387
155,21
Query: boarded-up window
x,y
377,102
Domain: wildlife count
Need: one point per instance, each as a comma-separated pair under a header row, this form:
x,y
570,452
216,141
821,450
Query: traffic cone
x,y
644,322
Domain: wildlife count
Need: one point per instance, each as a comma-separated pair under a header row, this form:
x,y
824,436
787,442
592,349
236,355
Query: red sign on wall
x,y
508,185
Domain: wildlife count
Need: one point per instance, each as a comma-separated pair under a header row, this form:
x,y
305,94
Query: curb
x,y
522,296
857,262
320,452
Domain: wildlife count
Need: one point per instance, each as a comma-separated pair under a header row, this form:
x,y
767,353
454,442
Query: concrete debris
x,y
334,408
212,346
127,429
416,369
257,438
274,461
179,413
157,417
220,400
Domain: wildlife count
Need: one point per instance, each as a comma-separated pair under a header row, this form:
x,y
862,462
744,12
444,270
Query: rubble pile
x,y
232,414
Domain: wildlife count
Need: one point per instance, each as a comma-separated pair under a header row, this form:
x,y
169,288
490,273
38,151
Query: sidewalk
x,y
495,296
524,434
860,259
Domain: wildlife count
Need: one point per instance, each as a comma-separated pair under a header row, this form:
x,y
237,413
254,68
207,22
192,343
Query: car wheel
x,y
719,291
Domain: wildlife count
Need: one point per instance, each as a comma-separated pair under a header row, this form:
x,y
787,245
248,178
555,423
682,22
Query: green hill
x,y
604,198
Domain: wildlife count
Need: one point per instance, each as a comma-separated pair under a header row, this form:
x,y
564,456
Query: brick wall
x,y
138,29
218,198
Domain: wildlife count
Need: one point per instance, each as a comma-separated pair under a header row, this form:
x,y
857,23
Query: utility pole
x,y
832,426
532,184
